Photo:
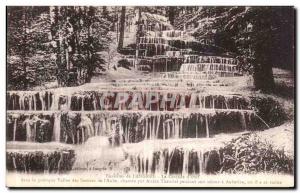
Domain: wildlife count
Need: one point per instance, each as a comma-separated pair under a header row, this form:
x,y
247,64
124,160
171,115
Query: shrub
x,y
248,154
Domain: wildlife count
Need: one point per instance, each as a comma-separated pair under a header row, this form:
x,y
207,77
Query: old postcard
x,y
161,96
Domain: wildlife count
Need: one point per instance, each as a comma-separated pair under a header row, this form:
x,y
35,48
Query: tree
x,y
19,47
97,40
171,14
257,34
80,35
57,35
29,60
263,37
54,43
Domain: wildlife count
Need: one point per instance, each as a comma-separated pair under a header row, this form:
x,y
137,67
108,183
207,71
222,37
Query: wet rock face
x,y
40,162
32,128
29,100
212,164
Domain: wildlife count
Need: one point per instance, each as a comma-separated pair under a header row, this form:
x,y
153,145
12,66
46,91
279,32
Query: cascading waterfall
x,y
210,68
172,160
92,101
165,137
44,162
15,129
131,126
176,44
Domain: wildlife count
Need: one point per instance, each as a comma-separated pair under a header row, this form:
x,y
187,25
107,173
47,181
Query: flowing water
x,y
165,123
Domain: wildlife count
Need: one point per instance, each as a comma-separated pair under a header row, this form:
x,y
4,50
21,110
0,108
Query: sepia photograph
x,y
150,96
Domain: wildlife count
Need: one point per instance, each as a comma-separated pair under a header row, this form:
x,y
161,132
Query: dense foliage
x,y
29,59
262,37
248,154
54,43
65,43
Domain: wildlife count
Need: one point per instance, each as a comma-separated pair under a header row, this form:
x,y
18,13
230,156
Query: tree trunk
x,y
263,63
122,27
171,14
56,27
138,38
263,77
23,58
89,63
